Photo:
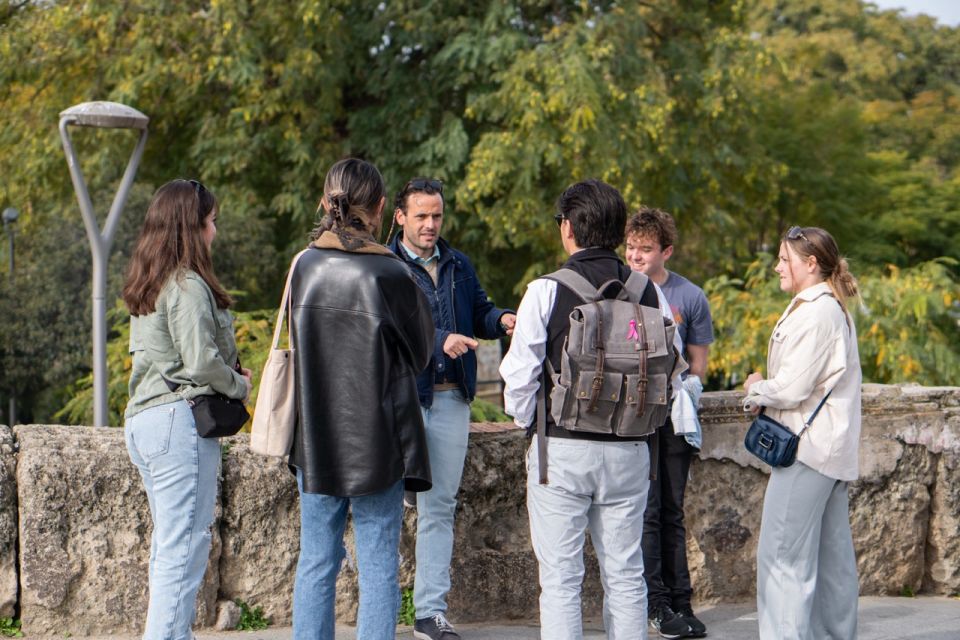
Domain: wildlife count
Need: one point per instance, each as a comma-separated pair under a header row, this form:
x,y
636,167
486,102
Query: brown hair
x,y
653,223
171,243
817,242
353,189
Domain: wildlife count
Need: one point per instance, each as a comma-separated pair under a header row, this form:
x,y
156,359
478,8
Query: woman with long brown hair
x,y
182,343
806,569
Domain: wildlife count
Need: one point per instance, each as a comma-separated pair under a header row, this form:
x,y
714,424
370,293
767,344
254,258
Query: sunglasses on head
x,y
796,233
197,186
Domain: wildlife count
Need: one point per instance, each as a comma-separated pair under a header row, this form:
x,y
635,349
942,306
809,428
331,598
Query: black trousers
x,y
664,534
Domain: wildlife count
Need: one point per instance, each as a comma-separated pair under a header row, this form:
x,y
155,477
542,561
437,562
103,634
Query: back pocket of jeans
x,y
154,440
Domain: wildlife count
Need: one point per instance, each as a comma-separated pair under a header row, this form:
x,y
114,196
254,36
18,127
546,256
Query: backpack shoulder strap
x,y
635,286
575,282
640,289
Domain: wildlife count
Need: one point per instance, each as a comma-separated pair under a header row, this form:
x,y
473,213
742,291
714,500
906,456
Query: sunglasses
x,y
197,186
796,233
559,218
424,184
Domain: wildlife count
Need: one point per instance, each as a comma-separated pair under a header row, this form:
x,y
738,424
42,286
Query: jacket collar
x,y
812,293
351,241
445,252
593,254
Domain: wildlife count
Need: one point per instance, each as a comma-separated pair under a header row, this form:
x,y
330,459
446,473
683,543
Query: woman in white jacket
x,y
807,584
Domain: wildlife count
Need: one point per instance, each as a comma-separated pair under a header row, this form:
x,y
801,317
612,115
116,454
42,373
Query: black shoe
x,y
697,628
410,499
435,627
668,623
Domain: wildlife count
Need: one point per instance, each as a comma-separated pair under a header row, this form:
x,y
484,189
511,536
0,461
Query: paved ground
x,y
930,618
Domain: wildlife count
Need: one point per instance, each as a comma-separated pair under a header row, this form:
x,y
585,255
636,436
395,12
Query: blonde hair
x,y
817,242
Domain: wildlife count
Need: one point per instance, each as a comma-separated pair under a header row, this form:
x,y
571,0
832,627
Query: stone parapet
x,y
73,504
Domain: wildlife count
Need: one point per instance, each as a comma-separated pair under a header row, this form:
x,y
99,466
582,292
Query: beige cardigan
x,y
813,349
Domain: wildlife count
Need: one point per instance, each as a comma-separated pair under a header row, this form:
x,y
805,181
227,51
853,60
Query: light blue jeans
x,y
447,424
376,527
600,487
179,471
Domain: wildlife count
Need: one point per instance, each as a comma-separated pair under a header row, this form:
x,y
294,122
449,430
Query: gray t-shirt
x,y
691,311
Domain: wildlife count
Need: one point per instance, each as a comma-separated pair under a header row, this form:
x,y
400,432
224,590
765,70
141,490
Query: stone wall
x,y
75,526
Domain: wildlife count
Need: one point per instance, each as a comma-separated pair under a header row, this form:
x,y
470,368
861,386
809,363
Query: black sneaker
x,y
410,499
435,627
668,623
697,628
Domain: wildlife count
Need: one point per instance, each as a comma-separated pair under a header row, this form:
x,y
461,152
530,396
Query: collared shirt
x,y
521,366
429,264
813,351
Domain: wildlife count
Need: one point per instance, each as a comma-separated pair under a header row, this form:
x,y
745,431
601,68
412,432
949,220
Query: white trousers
x,y
600,487
807,584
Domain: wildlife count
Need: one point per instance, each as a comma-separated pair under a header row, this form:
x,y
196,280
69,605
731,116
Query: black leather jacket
x,y
362,331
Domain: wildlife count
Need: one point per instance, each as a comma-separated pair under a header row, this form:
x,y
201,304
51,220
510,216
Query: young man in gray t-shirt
x,y
651,235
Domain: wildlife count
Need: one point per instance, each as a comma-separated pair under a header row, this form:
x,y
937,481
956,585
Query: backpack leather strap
x,y
598,367
542,427
641,346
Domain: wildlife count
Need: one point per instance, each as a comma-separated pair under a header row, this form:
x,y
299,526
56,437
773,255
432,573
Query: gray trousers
x,y
807,584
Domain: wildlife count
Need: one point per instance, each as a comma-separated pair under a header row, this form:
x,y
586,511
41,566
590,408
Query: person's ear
x,y
668,252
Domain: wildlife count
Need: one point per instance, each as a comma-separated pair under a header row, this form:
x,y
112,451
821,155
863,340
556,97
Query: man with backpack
x,y
591,368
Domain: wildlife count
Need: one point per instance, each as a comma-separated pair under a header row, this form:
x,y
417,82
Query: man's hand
x,y
456,345
508,321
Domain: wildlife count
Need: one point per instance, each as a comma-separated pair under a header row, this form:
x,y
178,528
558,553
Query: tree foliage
x,y
907,322
741,117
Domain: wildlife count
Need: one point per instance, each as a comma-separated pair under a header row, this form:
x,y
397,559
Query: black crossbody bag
x,y
774,443
216,416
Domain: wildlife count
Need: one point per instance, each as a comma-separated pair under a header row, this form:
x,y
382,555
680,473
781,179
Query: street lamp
x,y
104,115
10,216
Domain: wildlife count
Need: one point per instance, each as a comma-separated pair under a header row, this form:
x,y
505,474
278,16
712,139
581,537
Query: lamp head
x,y
10,215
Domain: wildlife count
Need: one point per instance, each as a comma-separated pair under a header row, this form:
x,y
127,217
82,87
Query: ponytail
x,y
842,283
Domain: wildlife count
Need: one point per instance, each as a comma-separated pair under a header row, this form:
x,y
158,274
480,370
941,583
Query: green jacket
x,y
186,340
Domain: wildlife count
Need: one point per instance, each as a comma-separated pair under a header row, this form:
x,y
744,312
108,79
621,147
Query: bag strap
x,y
813,416
641,346
575,282
635,285
542,425
285,303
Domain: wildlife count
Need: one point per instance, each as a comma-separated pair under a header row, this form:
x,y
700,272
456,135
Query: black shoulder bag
x,y
774,443
216,416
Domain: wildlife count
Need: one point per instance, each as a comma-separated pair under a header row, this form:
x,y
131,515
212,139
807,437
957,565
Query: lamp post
x,y
108,115
10,216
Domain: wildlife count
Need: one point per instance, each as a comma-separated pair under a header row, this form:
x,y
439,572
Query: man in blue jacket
x,y
461,312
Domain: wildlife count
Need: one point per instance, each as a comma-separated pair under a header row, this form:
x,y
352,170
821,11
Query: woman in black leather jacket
x,y
362,331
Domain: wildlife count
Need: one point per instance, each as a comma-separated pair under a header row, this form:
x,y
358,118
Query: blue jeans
x,y
447,425
179,471
376,526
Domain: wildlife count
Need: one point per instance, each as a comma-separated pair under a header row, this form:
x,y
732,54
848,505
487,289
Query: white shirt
x,y
813,349
521,366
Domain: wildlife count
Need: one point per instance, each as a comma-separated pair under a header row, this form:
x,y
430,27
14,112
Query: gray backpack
x,y
616,365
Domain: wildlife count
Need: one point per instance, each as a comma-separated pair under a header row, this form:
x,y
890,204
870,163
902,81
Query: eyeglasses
x,y
796,233
424,184
559,218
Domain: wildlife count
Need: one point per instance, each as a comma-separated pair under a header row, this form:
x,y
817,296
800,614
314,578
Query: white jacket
x,y
813,349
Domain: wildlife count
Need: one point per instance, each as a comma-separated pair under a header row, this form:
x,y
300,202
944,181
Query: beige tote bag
x,y
275,414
